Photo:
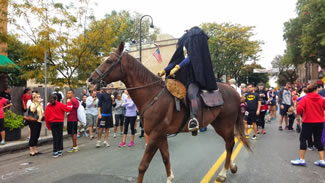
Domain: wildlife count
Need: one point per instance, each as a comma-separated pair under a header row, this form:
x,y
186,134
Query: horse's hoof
x,y
221,178
234,169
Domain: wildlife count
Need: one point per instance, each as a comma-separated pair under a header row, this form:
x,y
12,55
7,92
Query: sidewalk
x,y
22,143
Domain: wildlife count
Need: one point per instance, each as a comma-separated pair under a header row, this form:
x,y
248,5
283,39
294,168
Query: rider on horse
x,y
194,70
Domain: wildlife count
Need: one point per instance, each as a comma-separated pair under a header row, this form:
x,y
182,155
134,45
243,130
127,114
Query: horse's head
x,y
110,70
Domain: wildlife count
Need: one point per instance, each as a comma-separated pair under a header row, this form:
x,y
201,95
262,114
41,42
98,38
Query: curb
x,y
24,144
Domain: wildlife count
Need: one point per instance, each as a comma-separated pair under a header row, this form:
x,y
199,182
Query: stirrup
x,y
195,128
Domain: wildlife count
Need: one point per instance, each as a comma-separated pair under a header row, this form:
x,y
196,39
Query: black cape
x,y
200,69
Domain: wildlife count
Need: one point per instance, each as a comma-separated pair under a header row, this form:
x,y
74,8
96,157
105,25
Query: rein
x,y
119,60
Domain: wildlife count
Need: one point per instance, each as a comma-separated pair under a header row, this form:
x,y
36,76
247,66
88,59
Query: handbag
x,y
31,116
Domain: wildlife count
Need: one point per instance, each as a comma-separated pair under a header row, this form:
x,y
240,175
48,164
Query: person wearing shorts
x,y
285,102
4,103
91,112
105,118
253,107
73,121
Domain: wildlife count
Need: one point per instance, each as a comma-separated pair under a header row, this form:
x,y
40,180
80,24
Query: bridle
x,y
102,76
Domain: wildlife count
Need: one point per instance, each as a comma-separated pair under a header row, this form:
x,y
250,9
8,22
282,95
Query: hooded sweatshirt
x,y
55,113
312,106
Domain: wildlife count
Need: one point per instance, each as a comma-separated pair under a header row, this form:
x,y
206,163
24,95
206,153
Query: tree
x,y
17,51
230,47
62,31
247,75
305,34
287,72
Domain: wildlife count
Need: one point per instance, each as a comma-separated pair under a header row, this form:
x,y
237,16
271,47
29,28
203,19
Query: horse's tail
x,y
241,130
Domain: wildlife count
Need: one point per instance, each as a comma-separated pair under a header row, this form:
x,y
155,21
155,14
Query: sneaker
x,y
280,128
55,155
122,144
310,148
60,153
98,144
74,149
298,162
286,128
2,142
78,135
106,144
320,163
86,134
131,144
258,132
263,132
254,137
114,135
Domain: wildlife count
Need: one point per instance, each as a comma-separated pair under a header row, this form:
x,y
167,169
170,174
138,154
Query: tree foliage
x,y
231,47
287,72
69,34
17,52
247,75
305,34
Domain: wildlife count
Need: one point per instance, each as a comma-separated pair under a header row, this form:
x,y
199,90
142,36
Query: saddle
x,y
209,98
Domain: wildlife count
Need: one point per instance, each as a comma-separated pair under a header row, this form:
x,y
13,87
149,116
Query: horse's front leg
x,y
163,147
149,152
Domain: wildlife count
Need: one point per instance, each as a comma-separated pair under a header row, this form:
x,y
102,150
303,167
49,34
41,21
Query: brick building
x,y
308,72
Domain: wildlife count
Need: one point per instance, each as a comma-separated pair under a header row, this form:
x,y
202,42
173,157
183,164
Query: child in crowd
x,y
292,117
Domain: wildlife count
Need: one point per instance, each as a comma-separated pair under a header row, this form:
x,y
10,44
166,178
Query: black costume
x,y
197,74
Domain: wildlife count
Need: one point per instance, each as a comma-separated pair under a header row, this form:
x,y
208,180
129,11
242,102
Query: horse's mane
x,y
142,73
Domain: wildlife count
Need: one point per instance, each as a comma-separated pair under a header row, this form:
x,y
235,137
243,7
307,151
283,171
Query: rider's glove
x,y
162,73
174,70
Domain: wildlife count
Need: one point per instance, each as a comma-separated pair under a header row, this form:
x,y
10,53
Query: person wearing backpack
x,y
73,120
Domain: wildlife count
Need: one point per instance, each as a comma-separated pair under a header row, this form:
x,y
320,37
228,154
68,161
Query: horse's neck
x,y
136,79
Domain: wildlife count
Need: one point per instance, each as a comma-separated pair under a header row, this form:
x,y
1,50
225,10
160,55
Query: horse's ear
x,y
121,47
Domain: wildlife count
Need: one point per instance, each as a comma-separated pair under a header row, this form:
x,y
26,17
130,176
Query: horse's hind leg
x,y
228,136
163,147
149,152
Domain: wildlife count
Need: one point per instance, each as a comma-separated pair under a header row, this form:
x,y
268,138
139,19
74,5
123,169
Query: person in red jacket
x,y
73,121
312,106
54,118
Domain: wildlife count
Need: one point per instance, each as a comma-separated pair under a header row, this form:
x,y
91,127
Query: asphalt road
x,y
191,158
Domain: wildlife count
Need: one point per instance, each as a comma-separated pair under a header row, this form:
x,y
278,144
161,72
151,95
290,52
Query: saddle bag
x,y
212,98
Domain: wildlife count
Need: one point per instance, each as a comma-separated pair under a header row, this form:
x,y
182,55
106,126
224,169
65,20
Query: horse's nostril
x,y
90,80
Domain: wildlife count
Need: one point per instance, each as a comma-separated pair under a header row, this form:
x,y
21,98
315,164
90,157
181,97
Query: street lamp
x,y
140,42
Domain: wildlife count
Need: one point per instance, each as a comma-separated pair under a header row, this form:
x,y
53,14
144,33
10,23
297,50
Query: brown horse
x,y
160,117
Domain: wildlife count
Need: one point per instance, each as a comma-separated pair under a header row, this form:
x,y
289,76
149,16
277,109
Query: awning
x,y
6,65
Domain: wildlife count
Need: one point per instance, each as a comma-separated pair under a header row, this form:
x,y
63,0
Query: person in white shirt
x,y
232,83
91,112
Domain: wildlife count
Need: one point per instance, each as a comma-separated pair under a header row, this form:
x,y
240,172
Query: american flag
x,y
157,55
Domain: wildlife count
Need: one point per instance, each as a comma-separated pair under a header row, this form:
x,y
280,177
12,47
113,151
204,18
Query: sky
x,y
175,16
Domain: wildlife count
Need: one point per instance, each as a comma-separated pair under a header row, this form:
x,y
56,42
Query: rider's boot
x,y
193,124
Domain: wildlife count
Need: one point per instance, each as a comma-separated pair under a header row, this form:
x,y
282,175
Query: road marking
x,y
221,159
